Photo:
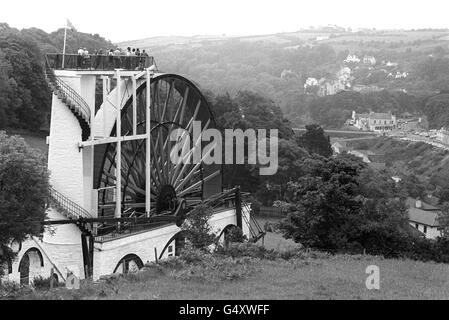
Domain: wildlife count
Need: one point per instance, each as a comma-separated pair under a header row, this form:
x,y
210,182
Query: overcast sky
x,y
135,19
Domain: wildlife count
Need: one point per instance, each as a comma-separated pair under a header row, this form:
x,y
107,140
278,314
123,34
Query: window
x,y
425,229
416,226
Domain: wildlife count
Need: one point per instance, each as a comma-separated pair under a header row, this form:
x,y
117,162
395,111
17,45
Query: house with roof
x,y
374,121
352,58
369,60
339,146
443,135
424,217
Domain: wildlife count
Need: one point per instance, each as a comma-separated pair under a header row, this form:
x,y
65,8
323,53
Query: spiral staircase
x,y
77,105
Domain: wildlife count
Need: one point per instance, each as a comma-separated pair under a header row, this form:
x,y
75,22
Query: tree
x,y
23,192
346,207
412,186
290,167
315,141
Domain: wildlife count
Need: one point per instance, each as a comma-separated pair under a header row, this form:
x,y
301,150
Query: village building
x,y
372,121
443,135
424,217
352,58
369,60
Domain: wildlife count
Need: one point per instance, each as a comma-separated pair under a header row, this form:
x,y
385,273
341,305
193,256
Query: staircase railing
x,y
69,93
69,208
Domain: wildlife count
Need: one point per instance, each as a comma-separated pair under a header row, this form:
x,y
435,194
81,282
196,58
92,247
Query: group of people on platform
x,y
131,59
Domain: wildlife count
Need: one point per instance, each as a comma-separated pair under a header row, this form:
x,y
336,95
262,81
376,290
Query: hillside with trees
x,y
25,99
409,67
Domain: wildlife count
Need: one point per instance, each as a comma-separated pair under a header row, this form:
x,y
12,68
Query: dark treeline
x,y
25,99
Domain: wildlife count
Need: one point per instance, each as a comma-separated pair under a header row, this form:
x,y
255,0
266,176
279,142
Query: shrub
x,y
252,250
199,231
235,235
42,283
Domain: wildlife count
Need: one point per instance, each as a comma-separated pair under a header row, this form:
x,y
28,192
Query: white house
x,y
352,58
369,60
424,217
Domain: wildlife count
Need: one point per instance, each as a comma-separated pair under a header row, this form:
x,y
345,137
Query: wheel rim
x,y
175,104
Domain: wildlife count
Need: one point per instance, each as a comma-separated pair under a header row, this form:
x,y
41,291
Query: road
x,y
366,133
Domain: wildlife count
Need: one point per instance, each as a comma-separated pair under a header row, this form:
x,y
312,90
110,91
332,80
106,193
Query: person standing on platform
x,y
79,60
145,59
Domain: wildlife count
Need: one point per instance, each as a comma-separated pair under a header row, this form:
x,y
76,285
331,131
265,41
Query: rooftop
x,y
426,215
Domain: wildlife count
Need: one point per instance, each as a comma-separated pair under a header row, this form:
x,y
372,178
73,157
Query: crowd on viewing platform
x,y
102,59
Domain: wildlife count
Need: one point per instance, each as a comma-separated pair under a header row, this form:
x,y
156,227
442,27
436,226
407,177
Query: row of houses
x,y
324,87
352,58
443,135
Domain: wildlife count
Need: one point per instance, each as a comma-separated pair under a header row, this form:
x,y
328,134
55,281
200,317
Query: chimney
x,y
418,204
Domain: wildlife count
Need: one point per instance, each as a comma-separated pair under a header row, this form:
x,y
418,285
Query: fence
x,y
263,211
98,62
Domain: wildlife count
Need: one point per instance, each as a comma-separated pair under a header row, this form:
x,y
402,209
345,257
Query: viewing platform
x,y
98,63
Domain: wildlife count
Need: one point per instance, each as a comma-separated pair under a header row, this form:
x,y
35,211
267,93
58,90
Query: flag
x,y
70,25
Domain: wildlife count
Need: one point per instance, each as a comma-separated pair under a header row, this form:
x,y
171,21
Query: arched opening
x,y
175,245
223,237
129,264
9,263
30,265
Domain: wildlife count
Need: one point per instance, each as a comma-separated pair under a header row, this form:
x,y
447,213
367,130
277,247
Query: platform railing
x,y
68,207
94,62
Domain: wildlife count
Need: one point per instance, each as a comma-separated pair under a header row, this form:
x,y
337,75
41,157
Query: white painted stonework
x,y
61,247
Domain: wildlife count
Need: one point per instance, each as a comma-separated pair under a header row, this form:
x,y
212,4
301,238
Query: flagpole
x,y
63,50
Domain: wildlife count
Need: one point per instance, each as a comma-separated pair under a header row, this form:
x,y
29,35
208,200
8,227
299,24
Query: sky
x,y
137,19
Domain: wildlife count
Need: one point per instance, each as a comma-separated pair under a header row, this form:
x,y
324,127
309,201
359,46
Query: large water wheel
x,y
175,104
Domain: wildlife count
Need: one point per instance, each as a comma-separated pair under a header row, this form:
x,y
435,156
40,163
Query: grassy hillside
x,y
313,277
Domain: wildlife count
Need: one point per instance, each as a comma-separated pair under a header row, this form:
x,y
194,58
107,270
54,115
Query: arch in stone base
x,y
179,239
225,232
128,264
31,260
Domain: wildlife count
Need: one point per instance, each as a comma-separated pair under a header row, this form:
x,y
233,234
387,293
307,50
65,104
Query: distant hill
x,y
410,65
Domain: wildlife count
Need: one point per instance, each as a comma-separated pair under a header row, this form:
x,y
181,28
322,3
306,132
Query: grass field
x,y
316,276
334,277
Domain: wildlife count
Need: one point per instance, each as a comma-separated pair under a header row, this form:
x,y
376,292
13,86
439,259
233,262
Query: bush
x,y
252,250
196,264
42,283
199,232
235,235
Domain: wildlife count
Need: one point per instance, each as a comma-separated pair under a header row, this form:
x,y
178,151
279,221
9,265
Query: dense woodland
x,y
25,99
